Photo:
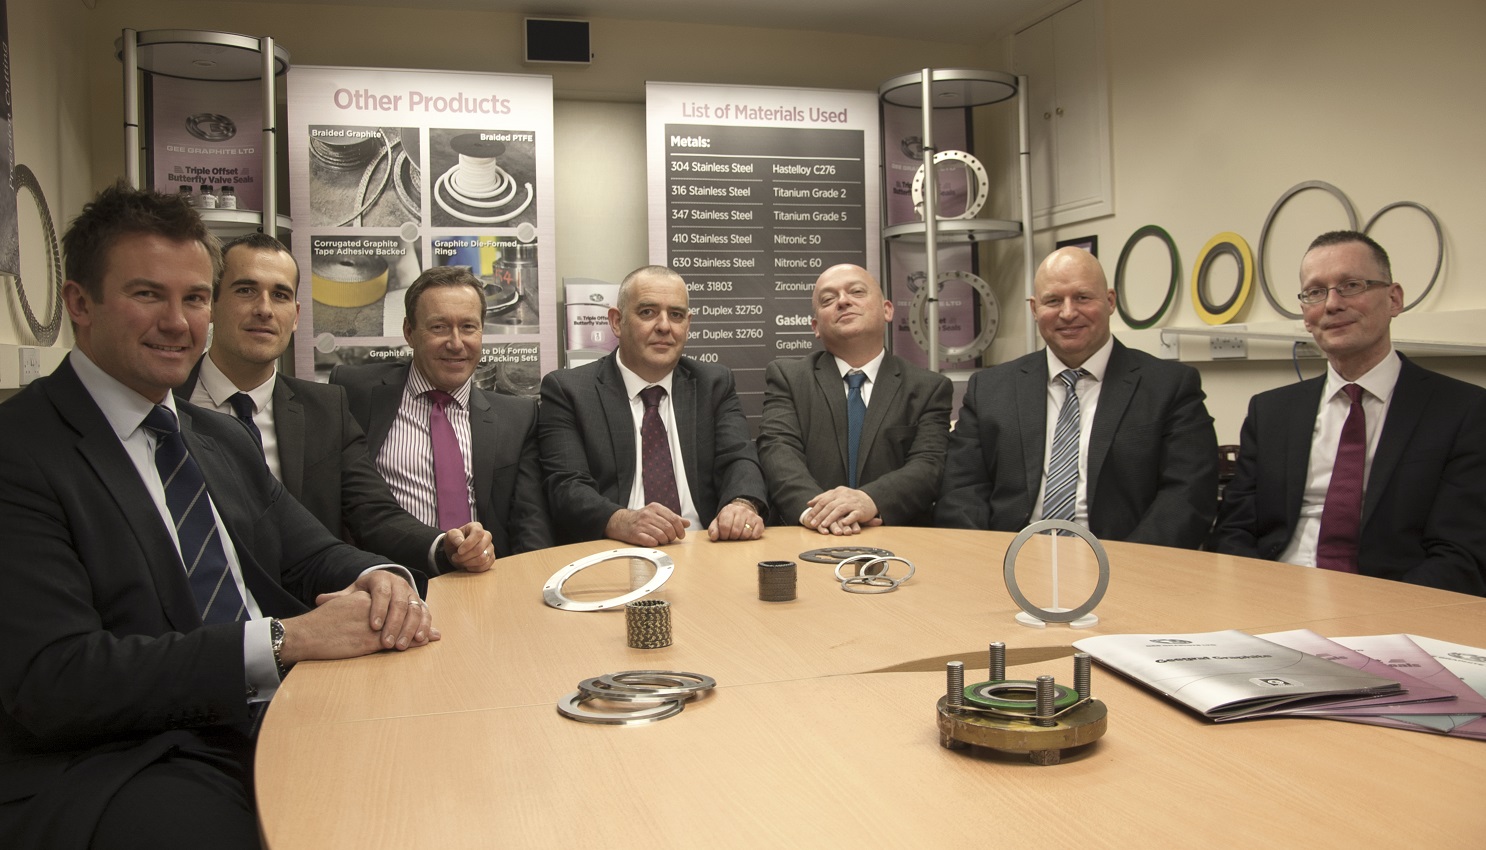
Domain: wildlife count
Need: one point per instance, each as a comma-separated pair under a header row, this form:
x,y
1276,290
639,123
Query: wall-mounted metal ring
x,y
552,590
45,333
972,165
990,317
1263,260
1009,570
1439,237
1171,286
1233,245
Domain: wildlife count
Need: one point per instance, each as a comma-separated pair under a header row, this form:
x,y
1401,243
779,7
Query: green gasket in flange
x,y
975,695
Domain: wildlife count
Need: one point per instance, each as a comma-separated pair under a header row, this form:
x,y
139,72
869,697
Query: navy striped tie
x,y
216,593
1062,465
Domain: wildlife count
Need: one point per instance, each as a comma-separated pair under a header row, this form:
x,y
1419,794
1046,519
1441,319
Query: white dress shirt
x,y
633,384
212,391
1088,404
870,369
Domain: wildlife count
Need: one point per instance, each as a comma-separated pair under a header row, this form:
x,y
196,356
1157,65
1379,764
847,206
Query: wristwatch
x,y
276,634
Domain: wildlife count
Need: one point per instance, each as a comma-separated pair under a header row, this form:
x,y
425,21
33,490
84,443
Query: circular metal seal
x,y
990,317
552,590
662,683
1000,695
45,332
594,688
1269,221
1439,236
835,554
1233,245
1009,570
571,706
973,166
879,581
1171,287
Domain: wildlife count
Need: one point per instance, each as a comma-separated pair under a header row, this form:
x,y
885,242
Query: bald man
x,y
817,477
1131,456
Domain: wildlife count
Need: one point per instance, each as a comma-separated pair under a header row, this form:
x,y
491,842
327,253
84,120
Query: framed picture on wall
x,y
1088,243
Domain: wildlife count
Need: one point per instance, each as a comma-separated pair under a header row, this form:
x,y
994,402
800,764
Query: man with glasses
x,y
1379,466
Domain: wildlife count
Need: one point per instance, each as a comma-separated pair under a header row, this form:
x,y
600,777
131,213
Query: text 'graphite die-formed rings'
x,y
552,590
866,579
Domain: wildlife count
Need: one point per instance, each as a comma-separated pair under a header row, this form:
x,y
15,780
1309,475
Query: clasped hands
x,y
379,610
656,525
841,511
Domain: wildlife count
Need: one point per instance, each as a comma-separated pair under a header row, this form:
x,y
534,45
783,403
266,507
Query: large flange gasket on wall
x,y
1171,287
982,184
1439,236
45,332
1259,270
990,317
552,590
1009,570
1232,245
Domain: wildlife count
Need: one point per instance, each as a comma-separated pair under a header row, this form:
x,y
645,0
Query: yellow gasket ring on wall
x,y
1232,244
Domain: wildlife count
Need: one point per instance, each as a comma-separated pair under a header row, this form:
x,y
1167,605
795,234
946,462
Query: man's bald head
x,y
1072,304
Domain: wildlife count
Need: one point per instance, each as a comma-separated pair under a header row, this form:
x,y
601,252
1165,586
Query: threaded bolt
x,y
1081,665
1044,702
998,662
955,688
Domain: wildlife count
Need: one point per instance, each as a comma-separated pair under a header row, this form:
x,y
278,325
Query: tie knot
x,y
652,395
1070,377
243,405
1354,392
161,421
856,379
439,398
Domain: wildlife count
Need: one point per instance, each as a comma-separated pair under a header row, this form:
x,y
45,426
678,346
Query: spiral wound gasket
x,y
1234,246
45,333
1040,718
834,554
478,182
990,317
866,579
1171,286
633,697
972,166
552,590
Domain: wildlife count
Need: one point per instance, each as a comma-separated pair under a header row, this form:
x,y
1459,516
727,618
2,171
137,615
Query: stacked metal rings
x,y
647,623
776,581
635,697
870,574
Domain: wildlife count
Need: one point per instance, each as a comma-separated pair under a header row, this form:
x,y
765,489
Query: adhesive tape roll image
x,y
348,281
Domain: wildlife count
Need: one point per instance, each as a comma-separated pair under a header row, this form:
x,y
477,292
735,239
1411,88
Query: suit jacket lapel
x,y
884,398
613,403
484,431
833,390
684,407
385,400
1299,431
1031,405
288,429
1410,397
1120,381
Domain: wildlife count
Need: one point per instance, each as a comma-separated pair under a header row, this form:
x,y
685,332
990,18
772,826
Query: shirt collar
x,y
124,408
1379,380
1096,365
219,387
634,383
869,368
418,385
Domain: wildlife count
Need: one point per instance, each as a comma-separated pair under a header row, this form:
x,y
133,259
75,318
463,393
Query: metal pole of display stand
x,y
931,215
131,108
270,169
1025,159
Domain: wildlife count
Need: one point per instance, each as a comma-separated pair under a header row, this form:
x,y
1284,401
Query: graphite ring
x,y
1009,570
1269,221
1171,287
1233,245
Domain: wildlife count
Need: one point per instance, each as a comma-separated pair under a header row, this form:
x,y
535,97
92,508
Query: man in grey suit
x,y
1131,456
446,447
645,443
309,439
816,407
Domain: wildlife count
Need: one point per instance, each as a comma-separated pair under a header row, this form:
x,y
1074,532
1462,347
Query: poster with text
x,y
205,133
753,192
394,172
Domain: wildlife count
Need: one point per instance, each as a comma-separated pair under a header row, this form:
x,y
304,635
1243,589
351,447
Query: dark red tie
x,y
1341,518
655,453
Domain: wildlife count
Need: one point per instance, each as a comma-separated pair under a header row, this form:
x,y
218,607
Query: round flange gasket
x,y
990,317
1009,570
1439,236
662,683
836,554
594,688
1171,287
879,581
1233,245
994,695
571,706
45,332
1259,270
972,165
552,590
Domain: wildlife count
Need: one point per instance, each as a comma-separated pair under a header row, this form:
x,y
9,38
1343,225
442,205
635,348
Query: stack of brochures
x,y
1403,681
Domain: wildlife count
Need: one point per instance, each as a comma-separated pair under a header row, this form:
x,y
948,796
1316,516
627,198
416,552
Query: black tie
x,y
242,403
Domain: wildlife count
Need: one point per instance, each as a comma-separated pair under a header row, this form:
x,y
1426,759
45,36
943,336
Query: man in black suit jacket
x,y
310,440
1423,507
391,401
804,440
591,420
126,720
1148,458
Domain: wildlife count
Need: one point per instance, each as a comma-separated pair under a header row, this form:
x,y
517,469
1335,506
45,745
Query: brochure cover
x,y
1230,675
1422,697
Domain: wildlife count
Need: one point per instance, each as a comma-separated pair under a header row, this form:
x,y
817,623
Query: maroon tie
x,y
1341,518
451,489
655,453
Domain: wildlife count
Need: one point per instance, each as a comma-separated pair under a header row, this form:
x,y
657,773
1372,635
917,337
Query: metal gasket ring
x,y
834,554
991,695
1171,287
972,165
990,317
1439,258
594,688
1233,245
1009,570
46,334
671,683
861,570
552,590
1269,221
571,706
880,581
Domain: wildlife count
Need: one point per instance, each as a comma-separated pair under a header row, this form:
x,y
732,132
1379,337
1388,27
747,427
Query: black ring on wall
x,y
1171,287
1260,260
1439,236
1219,250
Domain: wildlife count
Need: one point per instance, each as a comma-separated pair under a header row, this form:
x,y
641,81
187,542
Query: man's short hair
x,y
626,288
1342,237
441,276
121,210
255,241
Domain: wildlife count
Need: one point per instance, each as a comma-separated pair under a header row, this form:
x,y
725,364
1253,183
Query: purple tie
x,y
655,453
1341,518
450,486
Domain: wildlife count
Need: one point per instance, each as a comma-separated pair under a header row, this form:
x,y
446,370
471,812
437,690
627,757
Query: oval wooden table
x,y
821,732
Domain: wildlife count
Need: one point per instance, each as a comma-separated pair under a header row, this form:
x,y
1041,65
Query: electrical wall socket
x,y
30,363
1171,347
1228,347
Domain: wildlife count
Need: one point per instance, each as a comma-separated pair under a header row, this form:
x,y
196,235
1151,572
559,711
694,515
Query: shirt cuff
x,y
433,555
258,664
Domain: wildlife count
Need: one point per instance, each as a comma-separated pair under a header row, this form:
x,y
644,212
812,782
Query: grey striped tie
x,y
1062,464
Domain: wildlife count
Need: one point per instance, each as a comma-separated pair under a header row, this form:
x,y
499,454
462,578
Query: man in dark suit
x,y
129,687
1391,484
814,406
493,473
1132,455
310,441
611,431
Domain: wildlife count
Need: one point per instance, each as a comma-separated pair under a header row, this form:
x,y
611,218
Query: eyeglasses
x,y
1346,289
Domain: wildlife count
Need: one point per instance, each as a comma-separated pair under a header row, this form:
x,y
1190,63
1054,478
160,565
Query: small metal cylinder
x,y
776,581
1044,702
648,623
955,685
998,662
1081,665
